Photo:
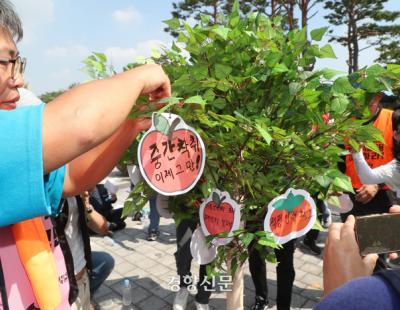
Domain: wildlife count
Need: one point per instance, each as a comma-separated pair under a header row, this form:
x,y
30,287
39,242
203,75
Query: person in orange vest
x,y
372,198
388,173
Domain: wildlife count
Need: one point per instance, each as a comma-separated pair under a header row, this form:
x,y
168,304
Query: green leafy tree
x,y
363,20
246,88
256,106
49,96
388,47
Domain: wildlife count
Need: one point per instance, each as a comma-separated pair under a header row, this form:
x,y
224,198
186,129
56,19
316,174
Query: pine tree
x,y
305,7
363,19
389,52
194,8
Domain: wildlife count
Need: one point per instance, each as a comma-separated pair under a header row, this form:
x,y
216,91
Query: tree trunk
x,y
234,298
349,43
355,45
304,13
273,8
215,11
291,15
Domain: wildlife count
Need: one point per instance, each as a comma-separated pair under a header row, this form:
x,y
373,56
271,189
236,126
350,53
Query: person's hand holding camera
x,y
342,260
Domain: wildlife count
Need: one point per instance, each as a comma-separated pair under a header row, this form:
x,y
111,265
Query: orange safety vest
x,y
384,124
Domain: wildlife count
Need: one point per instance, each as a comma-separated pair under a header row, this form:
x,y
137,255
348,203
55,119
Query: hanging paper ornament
x,y
290,215
219,213
171,155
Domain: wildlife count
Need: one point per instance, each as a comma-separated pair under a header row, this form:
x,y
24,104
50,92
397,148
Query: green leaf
x,y
310,95
269,242
234,21
289,203
199,72
273,58
195,99
280,68
317,34
182,38
128,208
354,145
294,88
297,140
373,147
386,82
170,101
222,71
300,36
342,85
394,68
261,233
267,137
330,73
101,56
340,103
247,238
375,70
205,18
219,103
161,124
334,200
155,53
222,32
371,84
343,183
215,198
173,23
323,180
271,258
326,52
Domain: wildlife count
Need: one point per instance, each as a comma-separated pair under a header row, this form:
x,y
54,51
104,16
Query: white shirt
x,y
74,235
388,173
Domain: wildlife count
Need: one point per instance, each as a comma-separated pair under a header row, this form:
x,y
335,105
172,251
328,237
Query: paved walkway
x,y
151,265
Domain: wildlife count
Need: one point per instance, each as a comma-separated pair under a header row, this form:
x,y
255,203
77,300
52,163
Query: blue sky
x,y
59,34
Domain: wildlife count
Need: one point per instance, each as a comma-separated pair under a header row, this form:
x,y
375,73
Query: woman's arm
x,y
387,173
87,170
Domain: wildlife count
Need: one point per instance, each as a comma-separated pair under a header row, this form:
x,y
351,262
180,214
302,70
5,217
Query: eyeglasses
x,y
18,65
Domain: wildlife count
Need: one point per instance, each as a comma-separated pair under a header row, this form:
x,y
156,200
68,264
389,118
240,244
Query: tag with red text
x,y
219,213
171,155
290,215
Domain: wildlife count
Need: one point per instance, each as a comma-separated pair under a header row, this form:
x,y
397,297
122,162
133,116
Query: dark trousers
x,y
312,235
284,271
183,259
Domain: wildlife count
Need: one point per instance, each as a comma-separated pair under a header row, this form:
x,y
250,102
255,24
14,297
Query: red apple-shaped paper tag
x,y
290,215
171,155
219,213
